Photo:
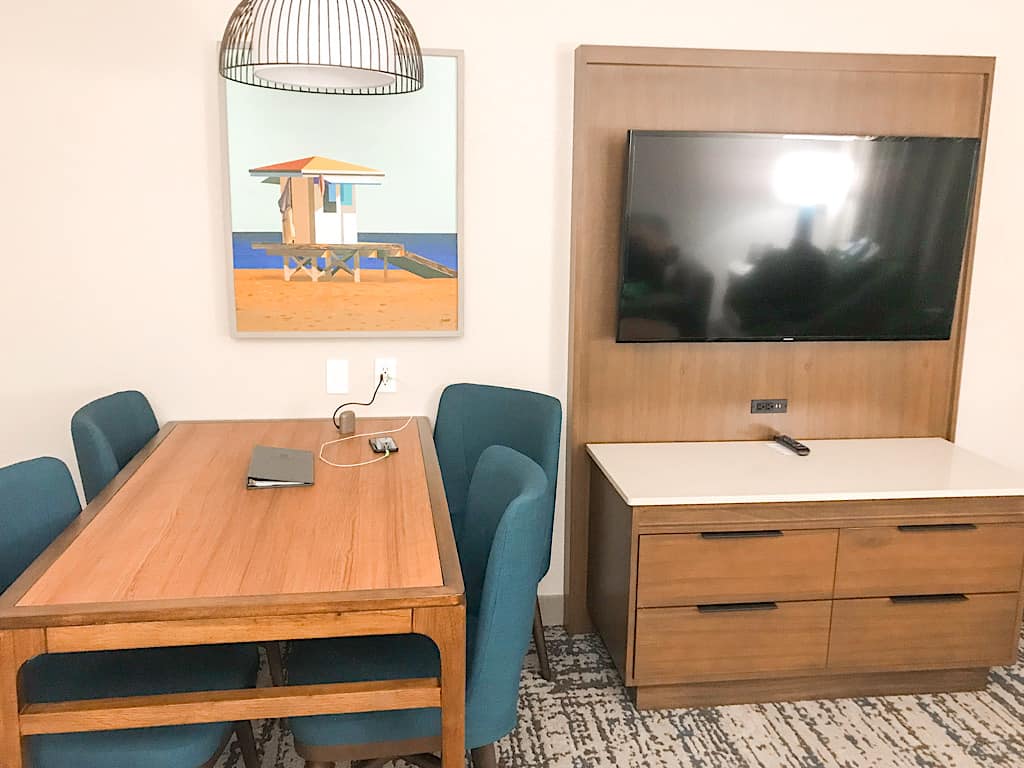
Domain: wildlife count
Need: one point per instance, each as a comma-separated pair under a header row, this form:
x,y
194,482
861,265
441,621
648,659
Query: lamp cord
x,y
337,411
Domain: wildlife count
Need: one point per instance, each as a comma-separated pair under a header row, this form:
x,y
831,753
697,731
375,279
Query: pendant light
x,y
322,46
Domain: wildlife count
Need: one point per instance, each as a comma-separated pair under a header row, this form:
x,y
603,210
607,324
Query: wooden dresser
x,y
739,572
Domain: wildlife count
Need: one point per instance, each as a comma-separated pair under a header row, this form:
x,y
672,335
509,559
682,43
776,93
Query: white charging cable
x,y
353,437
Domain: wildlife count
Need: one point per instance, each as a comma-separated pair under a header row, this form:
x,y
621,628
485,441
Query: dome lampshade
x,y
363,47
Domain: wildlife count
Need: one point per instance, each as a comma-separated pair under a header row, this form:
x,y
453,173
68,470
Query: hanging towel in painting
x,y
285,201
284,204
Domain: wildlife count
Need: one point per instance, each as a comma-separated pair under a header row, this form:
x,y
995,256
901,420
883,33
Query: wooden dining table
x,y
176,551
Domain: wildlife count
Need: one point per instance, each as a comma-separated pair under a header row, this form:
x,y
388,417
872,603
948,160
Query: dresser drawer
x,y
734,567
929,559
679,644
929,632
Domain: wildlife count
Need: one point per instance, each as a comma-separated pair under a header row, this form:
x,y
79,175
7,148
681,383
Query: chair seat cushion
x,y
359,659
72,676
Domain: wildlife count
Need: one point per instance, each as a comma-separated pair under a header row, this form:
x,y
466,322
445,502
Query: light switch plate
x,y
337,377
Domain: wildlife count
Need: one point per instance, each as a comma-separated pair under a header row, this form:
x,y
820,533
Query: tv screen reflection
x,y
730,237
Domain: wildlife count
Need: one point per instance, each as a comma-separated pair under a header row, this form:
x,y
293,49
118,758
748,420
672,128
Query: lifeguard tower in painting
x,y
318,198
319,229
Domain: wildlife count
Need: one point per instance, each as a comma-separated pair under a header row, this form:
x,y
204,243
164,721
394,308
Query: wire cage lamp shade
x,y
322,46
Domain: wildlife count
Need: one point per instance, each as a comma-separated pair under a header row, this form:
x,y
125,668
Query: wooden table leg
x,y
16,647
446,626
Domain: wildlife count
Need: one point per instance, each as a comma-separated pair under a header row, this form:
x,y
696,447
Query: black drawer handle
x,y
740,534
938,527
736,607
948,598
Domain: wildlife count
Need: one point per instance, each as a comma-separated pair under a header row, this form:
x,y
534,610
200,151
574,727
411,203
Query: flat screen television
x,y
772,237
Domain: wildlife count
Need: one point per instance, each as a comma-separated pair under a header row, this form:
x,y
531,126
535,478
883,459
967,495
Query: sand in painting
x,y
402,302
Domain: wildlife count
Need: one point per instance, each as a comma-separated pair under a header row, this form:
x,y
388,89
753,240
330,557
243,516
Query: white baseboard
x,y
552,609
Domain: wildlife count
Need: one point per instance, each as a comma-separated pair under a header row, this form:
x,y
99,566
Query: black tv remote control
x,y
796,447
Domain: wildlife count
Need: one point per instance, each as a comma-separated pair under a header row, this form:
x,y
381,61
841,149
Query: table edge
x,y
39,566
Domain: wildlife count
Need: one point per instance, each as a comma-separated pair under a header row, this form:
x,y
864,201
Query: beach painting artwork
x,y
345,209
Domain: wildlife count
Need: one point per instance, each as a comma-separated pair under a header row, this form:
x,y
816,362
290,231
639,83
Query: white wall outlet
x,y
337,377
388,368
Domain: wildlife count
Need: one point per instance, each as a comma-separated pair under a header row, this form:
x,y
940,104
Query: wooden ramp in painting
x,y
305,258
421,265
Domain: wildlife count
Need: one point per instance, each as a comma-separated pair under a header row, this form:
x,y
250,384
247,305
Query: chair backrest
x,y
472,417
107,433
502,556
37,501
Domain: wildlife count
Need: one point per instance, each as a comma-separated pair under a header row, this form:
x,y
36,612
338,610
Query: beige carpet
x,y
586,721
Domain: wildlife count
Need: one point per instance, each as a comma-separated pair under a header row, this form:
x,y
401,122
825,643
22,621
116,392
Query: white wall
x,y
125,90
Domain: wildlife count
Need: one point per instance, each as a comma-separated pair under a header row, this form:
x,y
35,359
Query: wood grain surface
x,y
923,559
160,634
690,569
695,392
844,686
185,526
15,649
684,644
878,634
221,706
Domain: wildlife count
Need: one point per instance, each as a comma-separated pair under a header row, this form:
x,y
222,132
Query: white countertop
x,y
653,474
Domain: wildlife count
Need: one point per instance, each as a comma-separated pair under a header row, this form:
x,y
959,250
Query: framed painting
x,y
346,211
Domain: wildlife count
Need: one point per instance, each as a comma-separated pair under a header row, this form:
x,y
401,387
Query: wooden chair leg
x,y
275,663
540,643
320,764
486,756
247,744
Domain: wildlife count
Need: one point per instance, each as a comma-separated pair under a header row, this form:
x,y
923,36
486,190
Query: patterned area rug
x,y
586,721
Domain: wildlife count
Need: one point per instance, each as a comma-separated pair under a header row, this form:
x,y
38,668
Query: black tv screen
x,y
771,237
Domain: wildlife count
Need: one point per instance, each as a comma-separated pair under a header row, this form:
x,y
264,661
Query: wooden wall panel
x,y
693,391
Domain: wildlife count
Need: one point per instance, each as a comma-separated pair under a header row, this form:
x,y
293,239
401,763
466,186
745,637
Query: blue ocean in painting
x,y
442,248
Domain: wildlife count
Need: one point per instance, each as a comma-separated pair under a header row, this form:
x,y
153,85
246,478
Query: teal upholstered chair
x,y
37,501
107,433
502,557
471,417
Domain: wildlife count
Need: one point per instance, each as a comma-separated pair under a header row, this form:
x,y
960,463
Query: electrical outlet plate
x,y
337,377
388,368
780,405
